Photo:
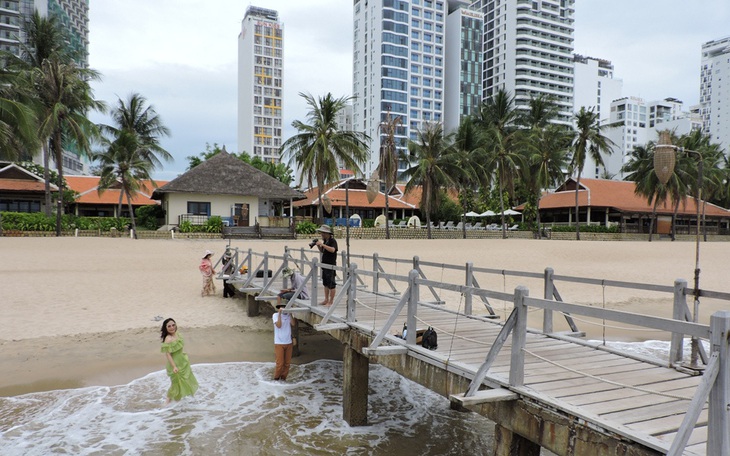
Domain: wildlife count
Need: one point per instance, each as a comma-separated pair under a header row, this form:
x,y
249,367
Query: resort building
x,y
21,190
260,83
594,86
615,203
528,51
714,101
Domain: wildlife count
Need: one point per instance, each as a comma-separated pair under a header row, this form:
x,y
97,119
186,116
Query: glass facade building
x,y
260,84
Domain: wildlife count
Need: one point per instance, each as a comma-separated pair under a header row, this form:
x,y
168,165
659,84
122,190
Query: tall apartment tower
x,y
260,83
528,50
463,72
398,68
714,101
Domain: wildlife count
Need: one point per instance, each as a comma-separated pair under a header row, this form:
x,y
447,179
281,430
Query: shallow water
x,y
239,410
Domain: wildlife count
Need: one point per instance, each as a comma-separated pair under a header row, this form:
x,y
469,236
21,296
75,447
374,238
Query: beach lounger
x,y
449,225
513,227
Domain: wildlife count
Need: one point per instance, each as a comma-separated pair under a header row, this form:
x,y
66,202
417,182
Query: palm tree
x,y
588,140
124,163
546,156
433,167
64,98
640,170
468,154
320,144
137,118
388,166
17,129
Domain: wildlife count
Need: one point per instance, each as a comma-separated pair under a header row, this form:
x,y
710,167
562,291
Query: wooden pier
x,y
541,388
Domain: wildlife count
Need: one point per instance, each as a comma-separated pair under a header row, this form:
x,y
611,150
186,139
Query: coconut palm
x,y
588,140
388,167
433,167
640,170
137,118
320,144
124,163
468,155
64,97
546,156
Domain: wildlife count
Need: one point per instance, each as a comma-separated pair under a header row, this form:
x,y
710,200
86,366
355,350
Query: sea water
x,y
239,410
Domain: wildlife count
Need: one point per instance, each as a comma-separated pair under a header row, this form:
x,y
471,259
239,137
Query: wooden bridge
x,y
542,388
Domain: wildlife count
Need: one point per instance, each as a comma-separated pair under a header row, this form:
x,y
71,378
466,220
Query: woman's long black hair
x,y
163,331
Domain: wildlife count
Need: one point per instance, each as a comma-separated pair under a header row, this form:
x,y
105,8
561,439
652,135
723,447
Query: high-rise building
x,y
528,51
633,123
260,83
714,101
463,60
398,68
594,86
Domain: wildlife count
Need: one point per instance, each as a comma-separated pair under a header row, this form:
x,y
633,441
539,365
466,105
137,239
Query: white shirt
x,y
282,336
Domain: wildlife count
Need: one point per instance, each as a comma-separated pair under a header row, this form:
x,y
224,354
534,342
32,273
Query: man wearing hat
x,y
228,269
283,323
297,280
328,246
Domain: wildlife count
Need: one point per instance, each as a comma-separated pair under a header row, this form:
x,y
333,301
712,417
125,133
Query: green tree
x,y
498,119
320,143
388,167
469,151
64,97
432,168
588,140
640,169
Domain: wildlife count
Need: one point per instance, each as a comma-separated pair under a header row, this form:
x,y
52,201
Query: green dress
x,y
183,383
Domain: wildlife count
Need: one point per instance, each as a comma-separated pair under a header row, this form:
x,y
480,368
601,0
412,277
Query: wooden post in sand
x,y
355,387
676,348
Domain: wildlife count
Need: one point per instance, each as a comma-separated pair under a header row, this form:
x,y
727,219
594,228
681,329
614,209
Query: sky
x,y
181,55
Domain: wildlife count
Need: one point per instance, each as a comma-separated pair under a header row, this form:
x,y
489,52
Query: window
x,y
198,208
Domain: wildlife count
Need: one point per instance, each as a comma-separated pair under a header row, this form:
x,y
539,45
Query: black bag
x,y
260,273
430,339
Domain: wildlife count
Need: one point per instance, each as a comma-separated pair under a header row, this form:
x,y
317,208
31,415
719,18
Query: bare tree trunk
x,y
704,225
131,211
428,209
387,214
577,208
59,166
501,205
119,209
539,232
47,177
463,224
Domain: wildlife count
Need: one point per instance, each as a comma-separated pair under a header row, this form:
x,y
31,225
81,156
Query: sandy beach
x,y
86,311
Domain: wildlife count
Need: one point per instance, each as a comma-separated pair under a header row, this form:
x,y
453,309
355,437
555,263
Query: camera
x,y
313,243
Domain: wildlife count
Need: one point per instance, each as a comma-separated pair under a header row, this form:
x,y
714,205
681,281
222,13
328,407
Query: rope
x,y
603,284
377,296
456,321
623,328
610,382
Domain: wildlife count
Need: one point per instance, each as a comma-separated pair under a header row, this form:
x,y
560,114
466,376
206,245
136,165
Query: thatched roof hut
x,y
224,174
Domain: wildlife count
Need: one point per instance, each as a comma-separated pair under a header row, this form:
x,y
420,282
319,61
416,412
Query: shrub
x,y
37,221
306,227
368,223
147,216
586,229
213,225
186,226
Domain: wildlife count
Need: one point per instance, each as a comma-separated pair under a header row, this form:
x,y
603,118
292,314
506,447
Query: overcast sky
x,y
182,55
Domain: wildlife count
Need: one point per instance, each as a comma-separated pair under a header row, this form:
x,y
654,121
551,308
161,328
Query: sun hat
x,y
207,252
325,229
287,272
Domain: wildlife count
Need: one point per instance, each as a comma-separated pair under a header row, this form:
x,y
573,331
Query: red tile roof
x,y
87,187
358,197
619,195
22,185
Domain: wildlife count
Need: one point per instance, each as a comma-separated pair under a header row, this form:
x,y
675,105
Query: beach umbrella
x,y
511,212
473,214
487,214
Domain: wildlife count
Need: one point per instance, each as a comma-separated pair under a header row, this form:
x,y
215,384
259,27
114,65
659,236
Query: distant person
x,y
328,246
297,280
182,380
283,322
206,269
228,269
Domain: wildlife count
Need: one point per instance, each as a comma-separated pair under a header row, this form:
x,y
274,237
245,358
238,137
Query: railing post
x,y
315,282
284,280
718,438
547,315
412,308
352,293
467,293
376,269
519,336
676,348
250,262
266,268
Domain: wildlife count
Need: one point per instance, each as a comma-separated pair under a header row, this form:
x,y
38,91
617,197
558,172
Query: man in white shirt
x,y
283,322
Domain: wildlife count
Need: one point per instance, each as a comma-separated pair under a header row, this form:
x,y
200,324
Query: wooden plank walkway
x,y
635,399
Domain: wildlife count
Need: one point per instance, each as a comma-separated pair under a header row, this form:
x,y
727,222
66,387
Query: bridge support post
x,y
718,420
252,305
547,314
508,443
355,387
676,349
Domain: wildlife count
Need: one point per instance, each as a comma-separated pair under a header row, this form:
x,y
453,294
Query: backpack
x,y
430,339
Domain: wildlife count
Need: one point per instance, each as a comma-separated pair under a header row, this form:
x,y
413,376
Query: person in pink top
x,y
206,269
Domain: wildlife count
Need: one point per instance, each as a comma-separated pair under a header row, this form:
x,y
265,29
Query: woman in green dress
x,y
183,382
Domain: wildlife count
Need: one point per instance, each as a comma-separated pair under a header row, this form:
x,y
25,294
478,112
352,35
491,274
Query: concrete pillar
x,y
252,306
355,387
507,443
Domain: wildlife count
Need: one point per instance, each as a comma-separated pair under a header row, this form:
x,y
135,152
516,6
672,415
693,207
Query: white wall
x,y
177,203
